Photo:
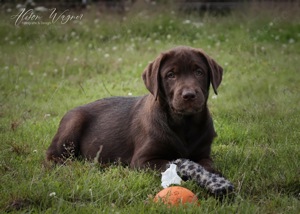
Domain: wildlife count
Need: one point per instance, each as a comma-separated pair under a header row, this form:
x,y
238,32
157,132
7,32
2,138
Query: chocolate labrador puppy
x,y
172,124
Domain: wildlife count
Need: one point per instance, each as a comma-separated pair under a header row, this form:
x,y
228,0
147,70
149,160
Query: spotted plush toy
x,y
214,183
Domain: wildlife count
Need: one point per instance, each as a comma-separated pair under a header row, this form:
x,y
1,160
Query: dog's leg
x,y
65,144
214,183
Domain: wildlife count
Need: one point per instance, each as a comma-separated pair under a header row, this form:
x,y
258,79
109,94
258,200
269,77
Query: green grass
x,y
47,70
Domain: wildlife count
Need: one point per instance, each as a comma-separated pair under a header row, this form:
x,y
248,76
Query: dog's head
x,y
181,77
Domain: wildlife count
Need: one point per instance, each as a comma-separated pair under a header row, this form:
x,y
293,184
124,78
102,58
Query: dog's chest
x,y
189,140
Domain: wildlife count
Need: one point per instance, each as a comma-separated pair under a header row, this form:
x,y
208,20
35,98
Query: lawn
x,y
47,69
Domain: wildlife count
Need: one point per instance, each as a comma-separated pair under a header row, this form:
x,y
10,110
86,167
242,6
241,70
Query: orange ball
x,y
176,195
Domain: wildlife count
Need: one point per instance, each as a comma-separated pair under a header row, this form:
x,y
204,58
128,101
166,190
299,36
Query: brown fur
x,y
149,131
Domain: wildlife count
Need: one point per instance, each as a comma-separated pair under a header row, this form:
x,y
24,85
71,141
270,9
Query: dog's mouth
x,y
187,110
187,107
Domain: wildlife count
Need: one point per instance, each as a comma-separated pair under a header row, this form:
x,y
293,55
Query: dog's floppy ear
x,y
151,75
215,71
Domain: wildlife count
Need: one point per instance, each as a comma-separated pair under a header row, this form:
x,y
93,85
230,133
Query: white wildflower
x,y
187,21
41,9
52,194
291,41
47,115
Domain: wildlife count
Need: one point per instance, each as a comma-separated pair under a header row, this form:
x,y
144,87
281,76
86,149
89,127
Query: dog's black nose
x,y
188,95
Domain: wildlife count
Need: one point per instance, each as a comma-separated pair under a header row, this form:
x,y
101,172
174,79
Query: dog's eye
x,y
171,75
198,72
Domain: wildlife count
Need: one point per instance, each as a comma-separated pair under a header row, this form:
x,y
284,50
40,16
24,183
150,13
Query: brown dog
x,y
172,122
